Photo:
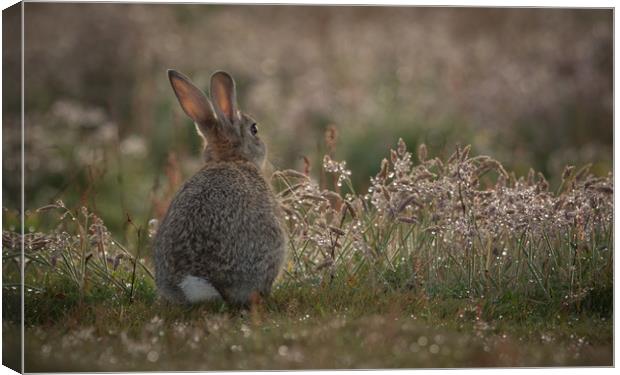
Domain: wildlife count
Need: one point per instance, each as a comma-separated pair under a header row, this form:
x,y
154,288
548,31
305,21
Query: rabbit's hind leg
x,y
170,292
242,296
198,289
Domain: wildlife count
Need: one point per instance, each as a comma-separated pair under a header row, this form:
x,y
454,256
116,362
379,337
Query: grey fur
x,y
224,224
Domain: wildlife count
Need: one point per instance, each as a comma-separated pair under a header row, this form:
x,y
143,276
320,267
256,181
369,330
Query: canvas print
x,y
279,187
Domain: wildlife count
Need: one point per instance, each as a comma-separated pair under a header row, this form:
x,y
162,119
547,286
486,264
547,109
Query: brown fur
x,y
224,224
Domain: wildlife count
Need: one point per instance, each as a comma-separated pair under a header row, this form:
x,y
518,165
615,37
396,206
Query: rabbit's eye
x,y
254,129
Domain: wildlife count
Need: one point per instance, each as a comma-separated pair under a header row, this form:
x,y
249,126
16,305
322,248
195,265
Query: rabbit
x,y
222,236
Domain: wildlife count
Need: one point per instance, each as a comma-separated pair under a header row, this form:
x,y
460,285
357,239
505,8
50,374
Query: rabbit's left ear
x,y
224,96
192,100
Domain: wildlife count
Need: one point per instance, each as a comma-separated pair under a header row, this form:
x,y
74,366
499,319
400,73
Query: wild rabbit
x,y
222,236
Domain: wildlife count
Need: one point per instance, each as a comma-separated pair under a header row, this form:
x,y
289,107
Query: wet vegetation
x,y
427,265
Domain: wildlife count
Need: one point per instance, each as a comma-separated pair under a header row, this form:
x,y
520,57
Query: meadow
x,y
425,269
448,195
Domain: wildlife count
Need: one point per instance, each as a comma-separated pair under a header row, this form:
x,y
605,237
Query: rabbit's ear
x,y
224,96
192,99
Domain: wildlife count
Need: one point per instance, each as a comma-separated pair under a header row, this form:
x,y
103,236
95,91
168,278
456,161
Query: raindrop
x,y
283,350
152,356
152,227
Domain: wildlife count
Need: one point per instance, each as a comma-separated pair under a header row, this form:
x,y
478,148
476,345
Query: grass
x,y
453,263
316,328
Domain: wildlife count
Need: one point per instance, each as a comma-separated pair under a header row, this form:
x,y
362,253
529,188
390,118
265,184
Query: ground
x,y
311,327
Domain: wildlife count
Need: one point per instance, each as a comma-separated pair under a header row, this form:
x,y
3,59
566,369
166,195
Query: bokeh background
x,y
530,87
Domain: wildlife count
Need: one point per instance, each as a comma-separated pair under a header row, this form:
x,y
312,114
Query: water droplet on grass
x,y
152,356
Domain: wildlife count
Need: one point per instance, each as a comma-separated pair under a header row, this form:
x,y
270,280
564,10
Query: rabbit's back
x,y
222,226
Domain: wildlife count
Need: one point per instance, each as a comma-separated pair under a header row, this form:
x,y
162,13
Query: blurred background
x,y
530,87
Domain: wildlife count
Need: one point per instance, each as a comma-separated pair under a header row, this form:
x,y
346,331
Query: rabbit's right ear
x,y
192,99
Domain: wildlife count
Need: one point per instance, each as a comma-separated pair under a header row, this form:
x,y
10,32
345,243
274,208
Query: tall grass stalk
x,y
434,228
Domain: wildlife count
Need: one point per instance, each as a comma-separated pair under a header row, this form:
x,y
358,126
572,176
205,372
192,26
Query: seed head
x,y
422,153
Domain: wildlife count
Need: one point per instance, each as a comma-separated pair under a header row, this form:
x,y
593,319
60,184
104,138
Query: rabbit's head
x,y
229,134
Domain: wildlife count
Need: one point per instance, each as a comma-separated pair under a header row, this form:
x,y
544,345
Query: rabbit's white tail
x,y
197,289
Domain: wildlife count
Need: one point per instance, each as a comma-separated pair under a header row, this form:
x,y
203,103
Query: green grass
x,y
304,326
431,267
